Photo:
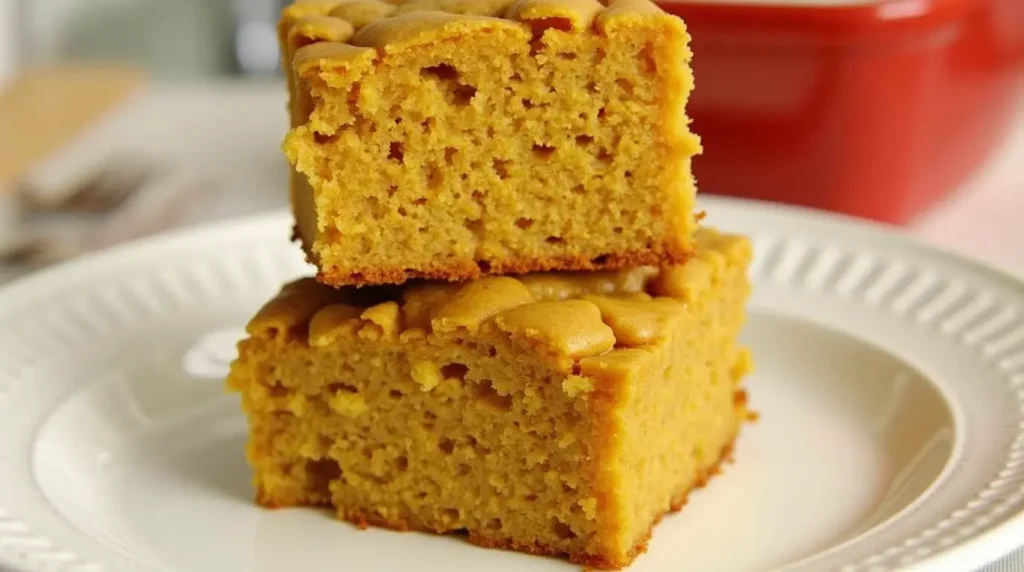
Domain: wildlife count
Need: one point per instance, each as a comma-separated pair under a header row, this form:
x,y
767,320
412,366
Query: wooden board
x,y
43,109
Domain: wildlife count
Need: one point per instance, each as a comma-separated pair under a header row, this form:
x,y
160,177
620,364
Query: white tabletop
x,y
228,135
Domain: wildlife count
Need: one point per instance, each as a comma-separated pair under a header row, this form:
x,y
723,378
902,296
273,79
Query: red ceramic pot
x,y
872,108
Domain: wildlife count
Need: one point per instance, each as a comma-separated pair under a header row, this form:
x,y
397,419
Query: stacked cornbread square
x,y
517,330
454,139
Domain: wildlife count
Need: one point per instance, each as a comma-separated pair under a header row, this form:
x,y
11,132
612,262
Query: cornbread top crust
x,y
569,316
355,29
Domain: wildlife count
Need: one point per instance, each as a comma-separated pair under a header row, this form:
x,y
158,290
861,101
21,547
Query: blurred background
x,y
120,118
180,38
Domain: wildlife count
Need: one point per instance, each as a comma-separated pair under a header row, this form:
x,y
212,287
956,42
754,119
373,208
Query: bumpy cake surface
x,y
557,414
454,139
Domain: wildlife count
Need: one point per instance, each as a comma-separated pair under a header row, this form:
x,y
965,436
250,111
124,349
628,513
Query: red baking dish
x,y
872,108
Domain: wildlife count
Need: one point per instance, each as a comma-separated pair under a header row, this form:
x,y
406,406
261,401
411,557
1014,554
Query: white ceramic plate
x,y
890,381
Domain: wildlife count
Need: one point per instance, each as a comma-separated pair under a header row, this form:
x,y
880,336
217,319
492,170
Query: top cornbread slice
x,y
454,139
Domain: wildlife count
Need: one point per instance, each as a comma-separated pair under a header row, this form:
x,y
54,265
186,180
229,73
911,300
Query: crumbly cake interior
x,y
437,140
558,414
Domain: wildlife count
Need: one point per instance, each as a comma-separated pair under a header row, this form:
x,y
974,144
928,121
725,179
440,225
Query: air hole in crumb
x,y
396,151
402,463
554,240
435,176
428,124
486,393
541,25
543,151
402,211
602,113
324,138
600,56
530,498
367,452
395,394
449,155
421,495
478,196
567,488
462,470
450,514
647,57
501,168
628,174
392,189
617,230
454,370
579,190
320,473
444,72
420,201
576,369
493,352
326,442
527,103
484,266
584,140
463,94
430,416
562,530
524,223
591,87
604,156
476,446
600,260
515,77
476,226
625,85
338,387
277,389
567,55
446,445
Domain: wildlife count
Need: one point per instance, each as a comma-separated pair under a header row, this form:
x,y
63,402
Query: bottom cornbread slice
x,y
556,414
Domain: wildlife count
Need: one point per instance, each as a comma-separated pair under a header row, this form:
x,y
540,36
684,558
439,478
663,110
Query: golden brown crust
x,y
668,254
565,312
363,520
